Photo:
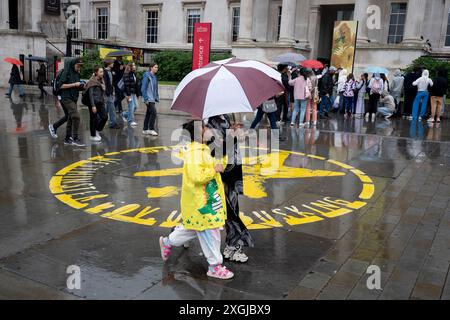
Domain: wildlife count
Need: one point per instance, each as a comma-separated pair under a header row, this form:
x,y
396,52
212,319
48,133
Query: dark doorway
x,y
330,14
13,14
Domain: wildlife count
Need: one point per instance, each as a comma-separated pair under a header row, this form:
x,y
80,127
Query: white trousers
x,y
209,241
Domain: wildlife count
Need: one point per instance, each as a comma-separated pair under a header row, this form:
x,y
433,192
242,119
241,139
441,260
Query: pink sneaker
x,y
220,272
165,250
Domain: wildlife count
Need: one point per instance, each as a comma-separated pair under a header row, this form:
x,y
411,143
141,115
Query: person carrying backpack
x,y
376,88
68,86
94,99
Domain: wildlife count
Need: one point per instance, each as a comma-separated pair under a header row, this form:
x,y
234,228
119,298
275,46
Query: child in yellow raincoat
x,y
202,205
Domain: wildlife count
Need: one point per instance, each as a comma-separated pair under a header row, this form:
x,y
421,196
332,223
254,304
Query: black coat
x,y
109,85
15,77
326,85
130,84
42,74
408,83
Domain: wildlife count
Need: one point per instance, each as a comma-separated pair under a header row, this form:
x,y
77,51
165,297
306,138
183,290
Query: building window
x,y
279,22
447,35
102,23
152,26
193,16
236,17
397,22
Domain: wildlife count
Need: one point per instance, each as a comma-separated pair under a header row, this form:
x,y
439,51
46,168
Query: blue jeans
x,y
348,104
299,107
259,115
110,108
11,87
421,96
132,105
325,104
384,111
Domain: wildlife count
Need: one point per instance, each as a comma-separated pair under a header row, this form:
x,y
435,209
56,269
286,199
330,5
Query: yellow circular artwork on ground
x,y
119,186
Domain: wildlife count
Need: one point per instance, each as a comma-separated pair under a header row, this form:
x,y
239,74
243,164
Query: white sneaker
x,y
239,256
374,116
133,124
314,123
410,118
146,132
97,134
51,129
153,133
367,116
430,120
420,118
228,251
96,139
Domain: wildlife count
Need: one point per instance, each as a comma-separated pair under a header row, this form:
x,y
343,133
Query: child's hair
x,y
350,77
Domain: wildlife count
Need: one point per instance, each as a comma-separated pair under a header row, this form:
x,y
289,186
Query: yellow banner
x,y
344,44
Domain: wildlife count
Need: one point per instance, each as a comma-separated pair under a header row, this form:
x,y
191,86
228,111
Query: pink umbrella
x,y
226,86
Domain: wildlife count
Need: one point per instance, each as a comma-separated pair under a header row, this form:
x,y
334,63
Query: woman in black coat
x,y
15,79
42,79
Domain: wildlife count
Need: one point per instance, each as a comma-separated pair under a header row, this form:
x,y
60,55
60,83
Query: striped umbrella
x,y
226,86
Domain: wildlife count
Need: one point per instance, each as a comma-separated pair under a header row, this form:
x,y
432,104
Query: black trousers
x,y
282,107
119,97
41,87
97,120
63,120
409,100
374,98
150,116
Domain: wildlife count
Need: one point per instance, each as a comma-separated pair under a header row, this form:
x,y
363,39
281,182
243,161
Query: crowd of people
x,y
317,94
103,94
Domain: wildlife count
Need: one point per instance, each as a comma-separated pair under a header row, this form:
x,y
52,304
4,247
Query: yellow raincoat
x,y
202,195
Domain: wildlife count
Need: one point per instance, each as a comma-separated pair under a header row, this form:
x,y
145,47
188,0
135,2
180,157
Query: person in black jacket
x,y
95,89
130,89
410,90
108,78
117,71
438,91
282,101
15,79
42,79
326,92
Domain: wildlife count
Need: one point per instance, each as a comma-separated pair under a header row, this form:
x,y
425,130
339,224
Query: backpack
x,y
376,86
121,85
85,98
56,86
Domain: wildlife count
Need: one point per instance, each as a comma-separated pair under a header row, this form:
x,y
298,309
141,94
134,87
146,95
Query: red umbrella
x,y
312,64
13,61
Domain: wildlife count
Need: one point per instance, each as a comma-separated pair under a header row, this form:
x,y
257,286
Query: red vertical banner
x,y
202,44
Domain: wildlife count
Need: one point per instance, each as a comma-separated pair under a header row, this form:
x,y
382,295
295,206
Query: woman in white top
x,y
422,94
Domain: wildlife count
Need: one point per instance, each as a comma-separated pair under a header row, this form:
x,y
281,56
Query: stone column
x,y
415,16
301,23
246,21
288,21
4,14
361,15
313,30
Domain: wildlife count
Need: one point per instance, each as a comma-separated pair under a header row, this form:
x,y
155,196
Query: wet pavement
x,y
348,195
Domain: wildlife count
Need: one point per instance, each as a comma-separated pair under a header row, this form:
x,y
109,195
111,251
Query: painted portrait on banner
x,y
344,44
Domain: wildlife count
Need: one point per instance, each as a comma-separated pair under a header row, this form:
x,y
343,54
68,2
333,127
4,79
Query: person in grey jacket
x,y
397,89
150,95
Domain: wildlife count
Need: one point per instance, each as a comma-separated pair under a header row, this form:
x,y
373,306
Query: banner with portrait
x,y
344,44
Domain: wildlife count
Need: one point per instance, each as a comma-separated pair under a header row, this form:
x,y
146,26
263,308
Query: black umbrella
x,y
35,58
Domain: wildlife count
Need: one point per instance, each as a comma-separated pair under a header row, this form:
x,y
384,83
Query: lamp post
x,y
67,15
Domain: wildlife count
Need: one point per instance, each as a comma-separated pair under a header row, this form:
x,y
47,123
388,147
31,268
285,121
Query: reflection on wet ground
x,y
370,194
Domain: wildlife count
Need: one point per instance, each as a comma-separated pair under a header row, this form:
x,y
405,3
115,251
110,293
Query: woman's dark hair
x,y
281,67
350,76
96,69
303,73
189,127
366,76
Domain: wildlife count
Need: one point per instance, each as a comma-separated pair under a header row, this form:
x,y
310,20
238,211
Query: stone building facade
x,y
257,29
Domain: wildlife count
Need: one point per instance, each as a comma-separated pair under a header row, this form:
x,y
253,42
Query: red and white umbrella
x,y
226,86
